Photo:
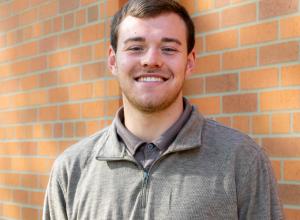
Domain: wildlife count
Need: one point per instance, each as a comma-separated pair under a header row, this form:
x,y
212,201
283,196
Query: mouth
x,y
150,79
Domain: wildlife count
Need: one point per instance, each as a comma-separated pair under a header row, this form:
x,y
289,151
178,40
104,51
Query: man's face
x,y
151,62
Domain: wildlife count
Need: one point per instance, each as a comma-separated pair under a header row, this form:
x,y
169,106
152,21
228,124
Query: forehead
x,y
164,25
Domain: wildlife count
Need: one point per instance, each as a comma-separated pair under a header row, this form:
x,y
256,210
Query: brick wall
x,y
55,88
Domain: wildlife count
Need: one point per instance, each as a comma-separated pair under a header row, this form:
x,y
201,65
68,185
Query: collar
x,y
110,147
133,142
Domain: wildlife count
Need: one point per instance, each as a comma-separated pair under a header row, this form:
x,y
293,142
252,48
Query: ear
x,y
191,60
111,62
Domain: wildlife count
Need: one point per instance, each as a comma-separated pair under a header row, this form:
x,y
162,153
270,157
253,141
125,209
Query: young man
x,y
160,159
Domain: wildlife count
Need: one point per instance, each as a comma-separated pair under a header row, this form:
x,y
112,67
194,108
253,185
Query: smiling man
x,y
160,158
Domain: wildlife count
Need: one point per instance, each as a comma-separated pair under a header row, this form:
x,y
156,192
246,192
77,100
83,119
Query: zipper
x,y
144,187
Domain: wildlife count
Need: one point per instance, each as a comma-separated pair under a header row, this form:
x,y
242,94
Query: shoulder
x,y
78,155
231,143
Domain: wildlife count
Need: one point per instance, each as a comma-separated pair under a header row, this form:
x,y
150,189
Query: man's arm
x,y
257,192
54,203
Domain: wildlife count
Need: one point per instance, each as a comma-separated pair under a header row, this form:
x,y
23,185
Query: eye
x,y
169,50
135,48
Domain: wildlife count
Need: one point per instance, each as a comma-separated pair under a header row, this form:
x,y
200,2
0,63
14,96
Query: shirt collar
x,y
133,142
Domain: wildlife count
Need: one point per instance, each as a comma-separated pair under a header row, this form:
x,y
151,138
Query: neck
x,y
149,126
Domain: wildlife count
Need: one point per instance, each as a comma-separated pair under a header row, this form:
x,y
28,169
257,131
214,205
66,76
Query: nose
x,y
152,58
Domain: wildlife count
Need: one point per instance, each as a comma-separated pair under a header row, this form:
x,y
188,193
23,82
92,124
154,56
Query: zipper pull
x,y
146,176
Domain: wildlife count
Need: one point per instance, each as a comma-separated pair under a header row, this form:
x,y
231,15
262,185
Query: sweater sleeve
x,y
54,203
257,192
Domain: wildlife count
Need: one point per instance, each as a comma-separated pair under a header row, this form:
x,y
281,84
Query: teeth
x,y
150,79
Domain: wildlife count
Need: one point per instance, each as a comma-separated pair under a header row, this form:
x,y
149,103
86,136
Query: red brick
x,y
80,17
92,33
292,170
36,198
69,75
8,86
47,10
296,124
48,79
20,196
69,21
112,88
18,116
26,50
99,87
238,15
290,75
60,94
111,106
47,148
193,86
204,5
272,8
65,6
30,213
222,40
20,67
11,211
48,27
208,64
278,53
18,6
70,111
281,123
9,23
57,59
206,23
81,54
5,10
93,109
239,59
48,113
189,5
259,33
290,27
86,2
292,214
282,147
241,123
261,78
221,3
58,24
38,63
80,129
69,39
81,91
199,44
208,105
69,129
240,103
99,51
48,44
223,83
261,124
5,194
92,13
289,193
280,100
92,127
28,17
30,181
93,71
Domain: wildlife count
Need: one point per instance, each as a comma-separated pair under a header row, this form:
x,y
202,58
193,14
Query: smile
x,y
150,79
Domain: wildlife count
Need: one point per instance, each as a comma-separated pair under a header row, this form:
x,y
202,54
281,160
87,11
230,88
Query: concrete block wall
x,y
55,88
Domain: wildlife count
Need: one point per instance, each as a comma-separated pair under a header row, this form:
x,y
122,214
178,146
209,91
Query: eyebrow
x,y
142,39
